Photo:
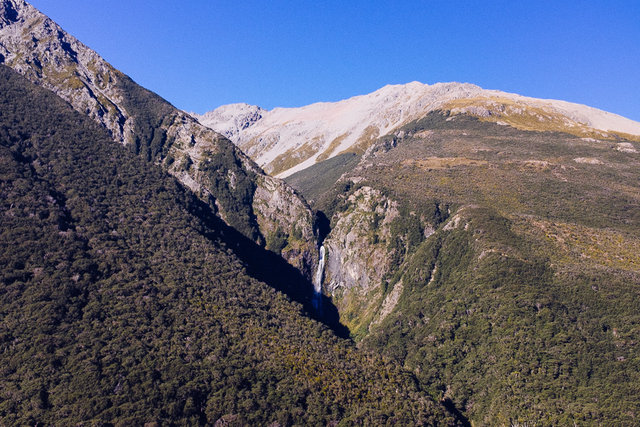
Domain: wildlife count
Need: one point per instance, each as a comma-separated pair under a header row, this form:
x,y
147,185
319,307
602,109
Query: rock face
x,y
200,158
357,244
358,257
232,119
365,245
36,47
284,221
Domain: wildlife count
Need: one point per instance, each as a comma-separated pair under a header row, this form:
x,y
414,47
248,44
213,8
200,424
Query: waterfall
x,y
317,282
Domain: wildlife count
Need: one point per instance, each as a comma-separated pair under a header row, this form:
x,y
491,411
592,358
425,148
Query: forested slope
x,y
120,301
255,204
499,264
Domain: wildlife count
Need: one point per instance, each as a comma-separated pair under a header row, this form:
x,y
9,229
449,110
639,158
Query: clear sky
x,y
200,54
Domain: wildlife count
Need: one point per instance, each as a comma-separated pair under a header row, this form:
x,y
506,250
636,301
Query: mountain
x,y
263,208
287,140
480,247
123,299
485,240
230,120
500,264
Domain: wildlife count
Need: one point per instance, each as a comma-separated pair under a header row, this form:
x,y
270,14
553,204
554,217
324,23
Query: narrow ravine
x,y
317,282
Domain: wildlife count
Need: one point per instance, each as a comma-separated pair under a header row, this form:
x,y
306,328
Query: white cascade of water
x,y
317,280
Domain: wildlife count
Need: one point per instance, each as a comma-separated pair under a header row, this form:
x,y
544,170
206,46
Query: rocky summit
x,y
287,140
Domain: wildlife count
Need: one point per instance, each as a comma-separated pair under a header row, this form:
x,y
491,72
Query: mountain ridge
x,y
488,250
256,204
287,140
124,300
491,260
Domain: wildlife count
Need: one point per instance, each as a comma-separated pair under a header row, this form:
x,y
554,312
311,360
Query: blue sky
x,y
200,54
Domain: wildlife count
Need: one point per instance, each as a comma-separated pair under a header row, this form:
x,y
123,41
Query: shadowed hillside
x,y
121,304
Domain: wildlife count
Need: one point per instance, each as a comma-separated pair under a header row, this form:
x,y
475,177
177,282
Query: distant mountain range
x,y
287,140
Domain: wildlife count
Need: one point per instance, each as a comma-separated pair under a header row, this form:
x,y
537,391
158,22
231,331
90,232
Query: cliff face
x,y
361,233
358,256
287,223
368,242
200,158
232,119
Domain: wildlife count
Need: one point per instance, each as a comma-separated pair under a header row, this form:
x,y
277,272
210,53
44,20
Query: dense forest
x,y
478,267
518,267
122,302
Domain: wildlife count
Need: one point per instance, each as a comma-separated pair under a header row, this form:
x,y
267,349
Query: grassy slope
x,y
318,179
528,310
120,301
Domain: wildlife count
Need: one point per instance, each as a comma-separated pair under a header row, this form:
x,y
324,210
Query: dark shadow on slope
x,y
451,408
153,144
270,268
10,13
323,225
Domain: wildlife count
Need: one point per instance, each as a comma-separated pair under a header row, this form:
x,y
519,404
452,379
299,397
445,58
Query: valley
x,y
421,255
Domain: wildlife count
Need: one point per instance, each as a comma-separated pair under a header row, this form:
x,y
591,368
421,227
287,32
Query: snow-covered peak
x,y
231,119
286,140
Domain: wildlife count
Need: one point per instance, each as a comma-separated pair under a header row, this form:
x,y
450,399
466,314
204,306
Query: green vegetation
x,y
151,112
318,179
508,340
125,301
232,186
276,241
522,307
153,116
407,230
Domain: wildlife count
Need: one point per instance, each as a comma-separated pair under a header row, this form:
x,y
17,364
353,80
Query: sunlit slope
x,y
499,263
252,202
287,140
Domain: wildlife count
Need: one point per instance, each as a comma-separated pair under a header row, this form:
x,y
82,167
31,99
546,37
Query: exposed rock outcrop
x,y
357,245
282,214
232,119
359,256
200,158
372,238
